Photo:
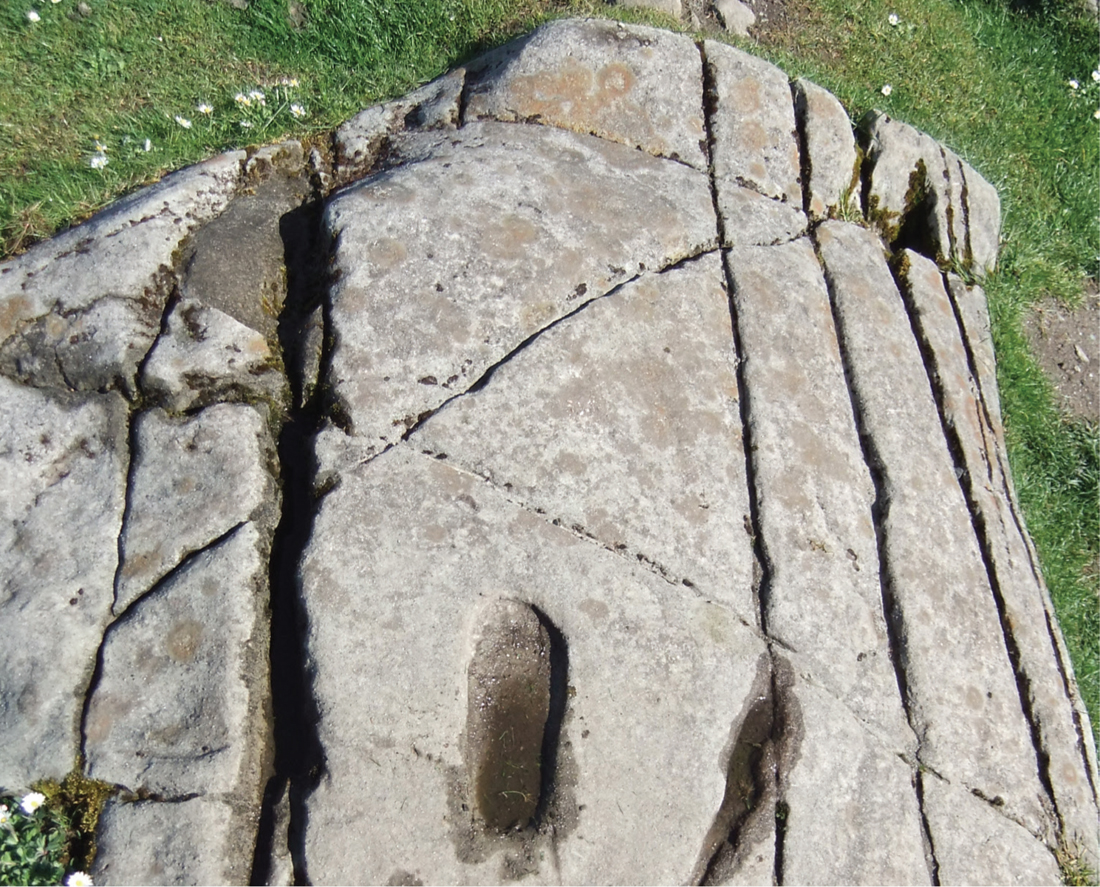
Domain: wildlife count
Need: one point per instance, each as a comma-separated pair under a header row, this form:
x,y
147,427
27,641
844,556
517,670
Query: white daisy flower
x,y
893,19
887,89
34,800
183,121
1073,84
148,146
97,161
245,124
33,16
204,108
297,110
79,879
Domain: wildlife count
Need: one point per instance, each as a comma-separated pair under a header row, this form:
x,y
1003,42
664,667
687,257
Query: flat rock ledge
x,y
587,468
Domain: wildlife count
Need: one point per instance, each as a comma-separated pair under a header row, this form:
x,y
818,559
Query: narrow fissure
x,y
880,510
805,169
926,832
771,764
298,754
981,534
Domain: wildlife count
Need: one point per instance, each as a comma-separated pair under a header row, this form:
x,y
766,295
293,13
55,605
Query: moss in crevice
x,y
81,800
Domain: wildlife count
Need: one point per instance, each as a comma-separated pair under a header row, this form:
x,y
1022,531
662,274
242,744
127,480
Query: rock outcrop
x,y
592,472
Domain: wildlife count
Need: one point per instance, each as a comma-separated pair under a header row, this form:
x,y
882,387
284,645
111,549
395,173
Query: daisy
x,y
78,879
32,802
297,110
893,19
204,108
97,161
33,16
1073,84
183,121
887,89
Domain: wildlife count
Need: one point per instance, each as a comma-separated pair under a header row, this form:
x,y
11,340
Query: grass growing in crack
x,y
97,98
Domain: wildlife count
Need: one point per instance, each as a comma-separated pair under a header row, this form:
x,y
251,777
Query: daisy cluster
x,y
32,842
1087,90
254,108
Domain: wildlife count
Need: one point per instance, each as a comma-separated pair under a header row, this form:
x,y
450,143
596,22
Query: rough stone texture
x,y
830,159
953,209
636,442
815,493
751,219
656,675
81,310
794,626
1018,582
204,355
975,844
193,481
634,85
235,263
195,841
539,220
179,708
983,215
736,17
963,701
753,129
360,141
63,465
821,592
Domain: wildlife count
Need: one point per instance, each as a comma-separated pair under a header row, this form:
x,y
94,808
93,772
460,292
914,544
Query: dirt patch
x,y
1067,345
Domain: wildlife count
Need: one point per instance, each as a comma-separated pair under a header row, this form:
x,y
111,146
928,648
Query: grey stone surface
x,y
1019,585
236,263
636,441
361,140
963,701
193,481
63,463
656,676
81,310
975,844
815,493
736,17
539,220
179,707
739,617
753,128
204,354
195,841
830,148
751,219
638,86
983,214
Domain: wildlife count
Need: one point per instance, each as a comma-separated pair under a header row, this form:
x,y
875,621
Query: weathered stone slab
x,y
537,221
82,309
638,86
755,142
204,355
831,158
851,814
736,17
433,106
983,216
974,843
193,481
179,708
196,841
751,219
636,441
63,464
904,162
814,491
973,310
1017,583
962,697
236,264
947,212
404,551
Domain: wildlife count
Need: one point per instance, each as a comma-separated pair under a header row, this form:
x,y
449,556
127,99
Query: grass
x,y
989,81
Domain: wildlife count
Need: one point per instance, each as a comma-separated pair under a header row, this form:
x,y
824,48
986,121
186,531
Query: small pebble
x,y
84,9
1081,356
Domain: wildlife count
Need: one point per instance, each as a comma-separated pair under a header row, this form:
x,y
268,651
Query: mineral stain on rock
x,y
508,706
